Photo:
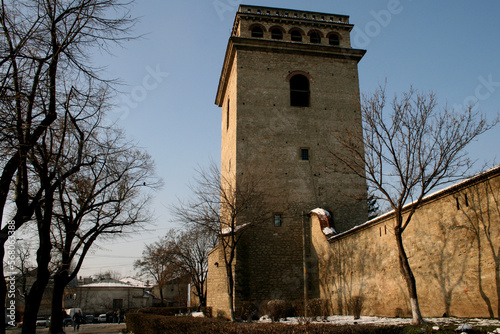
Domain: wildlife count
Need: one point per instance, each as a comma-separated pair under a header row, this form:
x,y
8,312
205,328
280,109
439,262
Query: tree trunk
x,y
230,291
405,268
60,283
33,301
162,303
202,296
43,256
3,287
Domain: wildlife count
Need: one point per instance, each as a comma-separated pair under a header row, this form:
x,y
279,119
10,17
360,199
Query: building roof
x,y
108,284
135,282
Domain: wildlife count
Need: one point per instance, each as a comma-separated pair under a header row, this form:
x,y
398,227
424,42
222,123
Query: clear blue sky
x,y
449,46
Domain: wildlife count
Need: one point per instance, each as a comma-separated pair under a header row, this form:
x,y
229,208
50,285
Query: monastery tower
x,y
288,90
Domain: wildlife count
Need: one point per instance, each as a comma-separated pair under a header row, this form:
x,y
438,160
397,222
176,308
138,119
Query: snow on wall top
x,y
325,221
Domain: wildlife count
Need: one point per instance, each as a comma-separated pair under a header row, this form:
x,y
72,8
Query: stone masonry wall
x,y
217,297
270,135
453,244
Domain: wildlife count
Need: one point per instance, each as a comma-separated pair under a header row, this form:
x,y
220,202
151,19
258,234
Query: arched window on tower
x,y
276,33
257,32
334,39
299,91
315,37
296,36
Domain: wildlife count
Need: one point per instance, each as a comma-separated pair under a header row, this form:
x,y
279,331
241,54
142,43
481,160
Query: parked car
x,y
102,317
41,321
89,319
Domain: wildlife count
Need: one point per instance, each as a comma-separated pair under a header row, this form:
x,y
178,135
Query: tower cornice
x,y
279,46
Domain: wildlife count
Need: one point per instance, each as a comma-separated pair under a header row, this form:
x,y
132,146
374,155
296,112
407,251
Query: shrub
x,y
356,306
207,311
277,309
317,308
298,307
166,310
153,324
262,308
248,311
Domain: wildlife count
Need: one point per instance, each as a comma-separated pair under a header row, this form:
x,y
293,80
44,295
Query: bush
x,y
317,308
166,310
277,309
298,308
248,311
356,306
207,311
153,324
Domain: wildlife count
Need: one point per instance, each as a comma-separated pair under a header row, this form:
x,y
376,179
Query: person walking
x,y
77,319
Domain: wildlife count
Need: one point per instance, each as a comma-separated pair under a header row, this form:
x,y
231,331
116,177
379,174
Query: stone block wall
x,y
453,244
217,296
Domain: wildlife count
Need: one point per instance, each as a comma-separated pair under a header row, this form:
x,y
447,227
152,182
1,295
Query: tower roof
x,y
273,13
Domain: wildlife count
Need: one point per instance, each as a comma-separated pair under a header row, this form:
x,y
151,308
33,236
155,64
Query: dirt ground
x,y
85,328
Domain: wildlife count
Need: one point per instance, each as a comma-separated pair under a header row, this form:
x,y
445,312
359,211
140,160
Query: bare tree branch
x,y
228,206
408,150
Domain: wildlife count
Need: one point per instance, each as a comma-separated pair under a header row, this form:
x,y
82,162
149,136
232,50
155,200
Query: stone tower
x,y
288,90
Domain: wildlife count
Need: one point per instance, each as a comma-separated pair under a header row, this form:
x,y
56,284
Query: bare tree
x,y
22,268
407,152
228,206
57,156
191,250
44,48
158,262
104,199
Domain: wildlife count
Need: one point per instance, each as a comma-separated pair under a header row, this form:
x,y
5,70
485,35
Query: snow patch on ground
x,y
366,320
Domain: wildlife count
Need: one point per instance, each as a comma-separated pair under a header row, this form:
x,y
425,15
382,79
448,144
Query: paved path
x,y
85,328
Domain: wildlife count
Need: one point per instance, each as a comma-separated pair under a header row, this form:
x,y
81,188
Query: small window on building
x,y
458,203
299,91
304,154
466,200
276,33
315,38
334,39
257,32
278,220
296,36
